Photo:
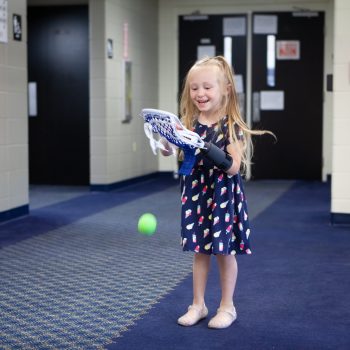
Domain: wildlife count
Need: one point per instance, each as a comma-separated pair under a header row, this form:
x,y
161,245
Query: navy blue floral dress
x,y
214,216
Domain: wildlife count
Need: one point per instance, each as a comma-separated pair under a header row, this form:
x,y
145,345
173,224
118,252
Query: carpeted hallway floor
x,y
76,274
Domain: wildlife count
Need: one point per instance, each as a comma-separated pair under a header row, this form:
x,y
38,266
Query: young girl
x,y
214,212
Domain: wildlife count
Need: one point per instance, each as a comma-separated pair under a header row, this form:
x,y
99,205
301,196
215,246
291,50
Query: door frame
x,y
249,82
168,56
249,15
82,9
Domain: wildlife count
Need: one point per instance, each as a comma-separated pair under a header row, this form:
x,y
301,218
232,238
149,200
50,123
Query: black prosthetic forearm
x,y
220,158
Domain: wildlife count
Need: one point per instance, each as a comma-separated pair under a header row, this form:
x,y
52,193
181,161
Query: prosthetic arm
x,y
220,158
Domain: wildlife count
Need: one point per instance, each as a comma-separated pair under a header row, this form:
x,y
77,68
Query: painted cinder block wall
x,y
120,151
340,203
13,118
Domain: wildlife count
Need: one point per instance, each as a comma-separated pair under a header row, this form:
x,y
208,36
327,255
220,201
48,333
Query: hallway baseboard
x,y
14,213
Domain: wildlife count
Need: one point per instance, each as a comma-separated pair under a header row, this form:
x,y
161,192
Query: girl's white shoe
x,y
194,314
223,318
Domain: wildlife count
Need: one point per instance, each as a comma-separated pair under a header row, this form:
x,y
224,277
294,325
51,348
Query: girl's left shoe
x,y
223,318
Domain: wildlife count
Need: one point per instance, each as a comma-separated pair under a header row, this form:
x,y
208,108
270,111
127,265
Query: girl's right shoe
x,y
194,314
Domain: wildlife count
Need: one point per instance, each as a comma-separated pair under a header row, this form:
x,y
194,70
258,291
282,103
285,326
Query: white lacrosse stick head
x,y
170,127
154,143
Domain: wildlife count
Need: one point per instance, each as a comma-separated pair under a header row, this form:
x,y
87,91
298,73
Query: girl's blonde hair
x,y
229,105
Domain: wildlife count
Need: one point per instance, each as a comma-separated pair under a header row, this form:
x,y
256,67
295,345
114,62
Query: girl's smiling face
x,y
206,90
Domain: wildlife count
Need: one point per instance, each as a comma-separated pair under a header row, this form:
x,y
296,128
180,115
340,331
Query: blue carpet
x,y
292,293
76,274
81,274
65,212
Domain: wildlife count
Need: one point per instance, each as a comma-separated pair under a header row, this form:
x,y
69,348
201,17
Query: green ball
x,y
147,224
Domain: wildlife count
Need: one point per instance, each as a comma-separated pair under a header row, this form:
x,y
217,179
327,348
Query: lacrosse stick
x,y
169,126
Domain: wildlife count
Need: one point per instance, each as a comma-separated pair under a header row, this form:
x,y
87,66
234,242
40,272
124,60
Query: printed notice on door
x,y
265,24
205,50
234,26
272,100
3,21
288,49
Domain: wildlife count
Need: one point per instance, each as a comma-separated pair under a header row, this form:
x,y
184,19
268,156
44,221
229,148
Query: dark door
x,y
58,62
294,109
206,34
